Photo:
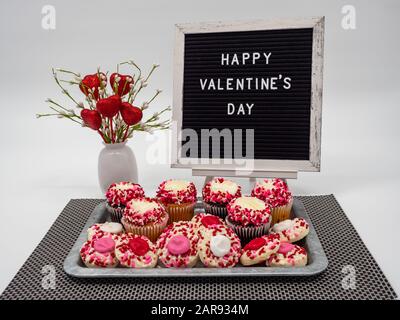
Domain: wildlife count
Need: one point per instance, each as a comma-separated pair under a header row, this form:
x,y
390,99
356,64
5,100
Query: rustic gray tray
x,y
317,260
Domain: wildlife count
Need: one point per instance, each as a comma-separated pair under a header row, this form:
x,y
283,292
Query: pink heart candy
x,y
285,247
104,245
178,245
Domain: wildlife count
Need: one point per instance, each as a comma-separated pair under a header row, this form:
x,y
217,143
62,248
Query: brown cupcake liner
x,y
115,213
180,212
281,213
216,210
249,232
150,231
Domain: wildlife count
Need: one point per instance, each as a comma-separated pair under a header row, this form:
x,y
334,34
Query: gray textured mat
x,y
341,243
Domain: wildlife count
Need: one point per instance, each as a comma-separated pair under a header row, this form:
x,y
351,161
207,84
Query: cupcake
x,y
118,195
99,253
145,216
106,229
276,193
249,217
179,198
177,245
219,247
135,251
217,193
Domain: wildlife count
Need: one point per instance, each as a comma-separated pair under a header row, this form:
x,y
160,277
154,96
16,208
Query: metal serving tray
x,y
317,261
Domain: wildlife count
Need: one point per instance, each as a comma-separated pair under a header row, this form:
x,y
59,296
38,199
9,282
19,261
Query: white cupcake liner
x,y
248,233
216,210
115,213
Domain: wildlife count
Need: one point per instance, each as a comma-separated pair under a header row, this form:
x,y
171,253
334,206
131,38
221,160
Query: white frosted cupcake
x,y
275,192
249,217
217,193
179,198
118,195
145,216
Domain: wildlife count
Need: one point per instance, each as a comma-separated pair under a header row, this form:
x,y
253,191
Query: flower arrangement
x,y
112,114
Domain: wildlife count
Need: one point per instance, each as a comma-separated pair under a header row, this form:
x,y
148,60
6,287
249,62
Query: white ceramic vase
x,y
116,163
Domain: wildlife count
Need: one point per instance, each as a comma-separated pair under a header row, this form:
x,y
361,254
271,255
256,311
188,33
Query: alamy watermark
x,y
48,17
349,17
49,277
349,282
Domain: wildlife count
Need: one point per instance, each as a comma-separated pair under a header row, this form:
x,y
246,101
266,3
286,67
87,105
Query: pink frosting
x,y
286,247
178,245
104,245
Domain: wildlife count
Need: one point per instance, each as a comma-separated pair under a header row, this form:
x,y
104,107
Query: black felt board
x,y
280,118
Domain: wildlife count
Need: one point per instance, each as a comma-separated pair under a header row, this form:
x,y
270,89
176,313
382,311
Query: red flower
x,y
91,83
123,84
91,118
130,114
109,107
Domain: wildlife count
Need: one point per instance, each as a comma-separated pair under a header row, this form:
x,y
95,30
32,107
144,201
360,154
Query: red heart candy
x,y
92,82
130,114
123,83
255,244
91,118
208,221
139,246
109,107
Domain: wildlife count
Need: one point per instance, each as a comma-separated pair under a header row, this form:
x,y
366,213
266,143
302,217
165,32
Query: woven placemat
x,y
345,251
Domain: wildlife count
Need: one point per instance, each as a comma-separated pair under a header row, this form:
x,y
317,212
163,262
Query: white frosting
x,y
225,186
121,186
250,203
220,245
176,185
111,227
284,225
143,206
267,185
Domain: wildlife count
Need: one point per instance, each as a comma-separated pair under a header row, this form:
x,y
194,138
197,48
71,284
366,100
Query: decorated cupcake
x,y
136,251
106,229
249,217
145,216
99,253
118,195
177,245
217,193
288,255
179,198
219,247
276,193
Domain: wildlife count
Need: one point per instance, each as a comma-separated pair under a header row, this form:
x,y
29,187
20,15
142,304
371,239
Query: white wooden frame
x,y
282,168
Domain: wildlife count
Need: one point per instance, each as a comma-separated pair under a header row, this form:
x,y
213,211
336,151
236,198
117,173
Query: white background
x,y
46,162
